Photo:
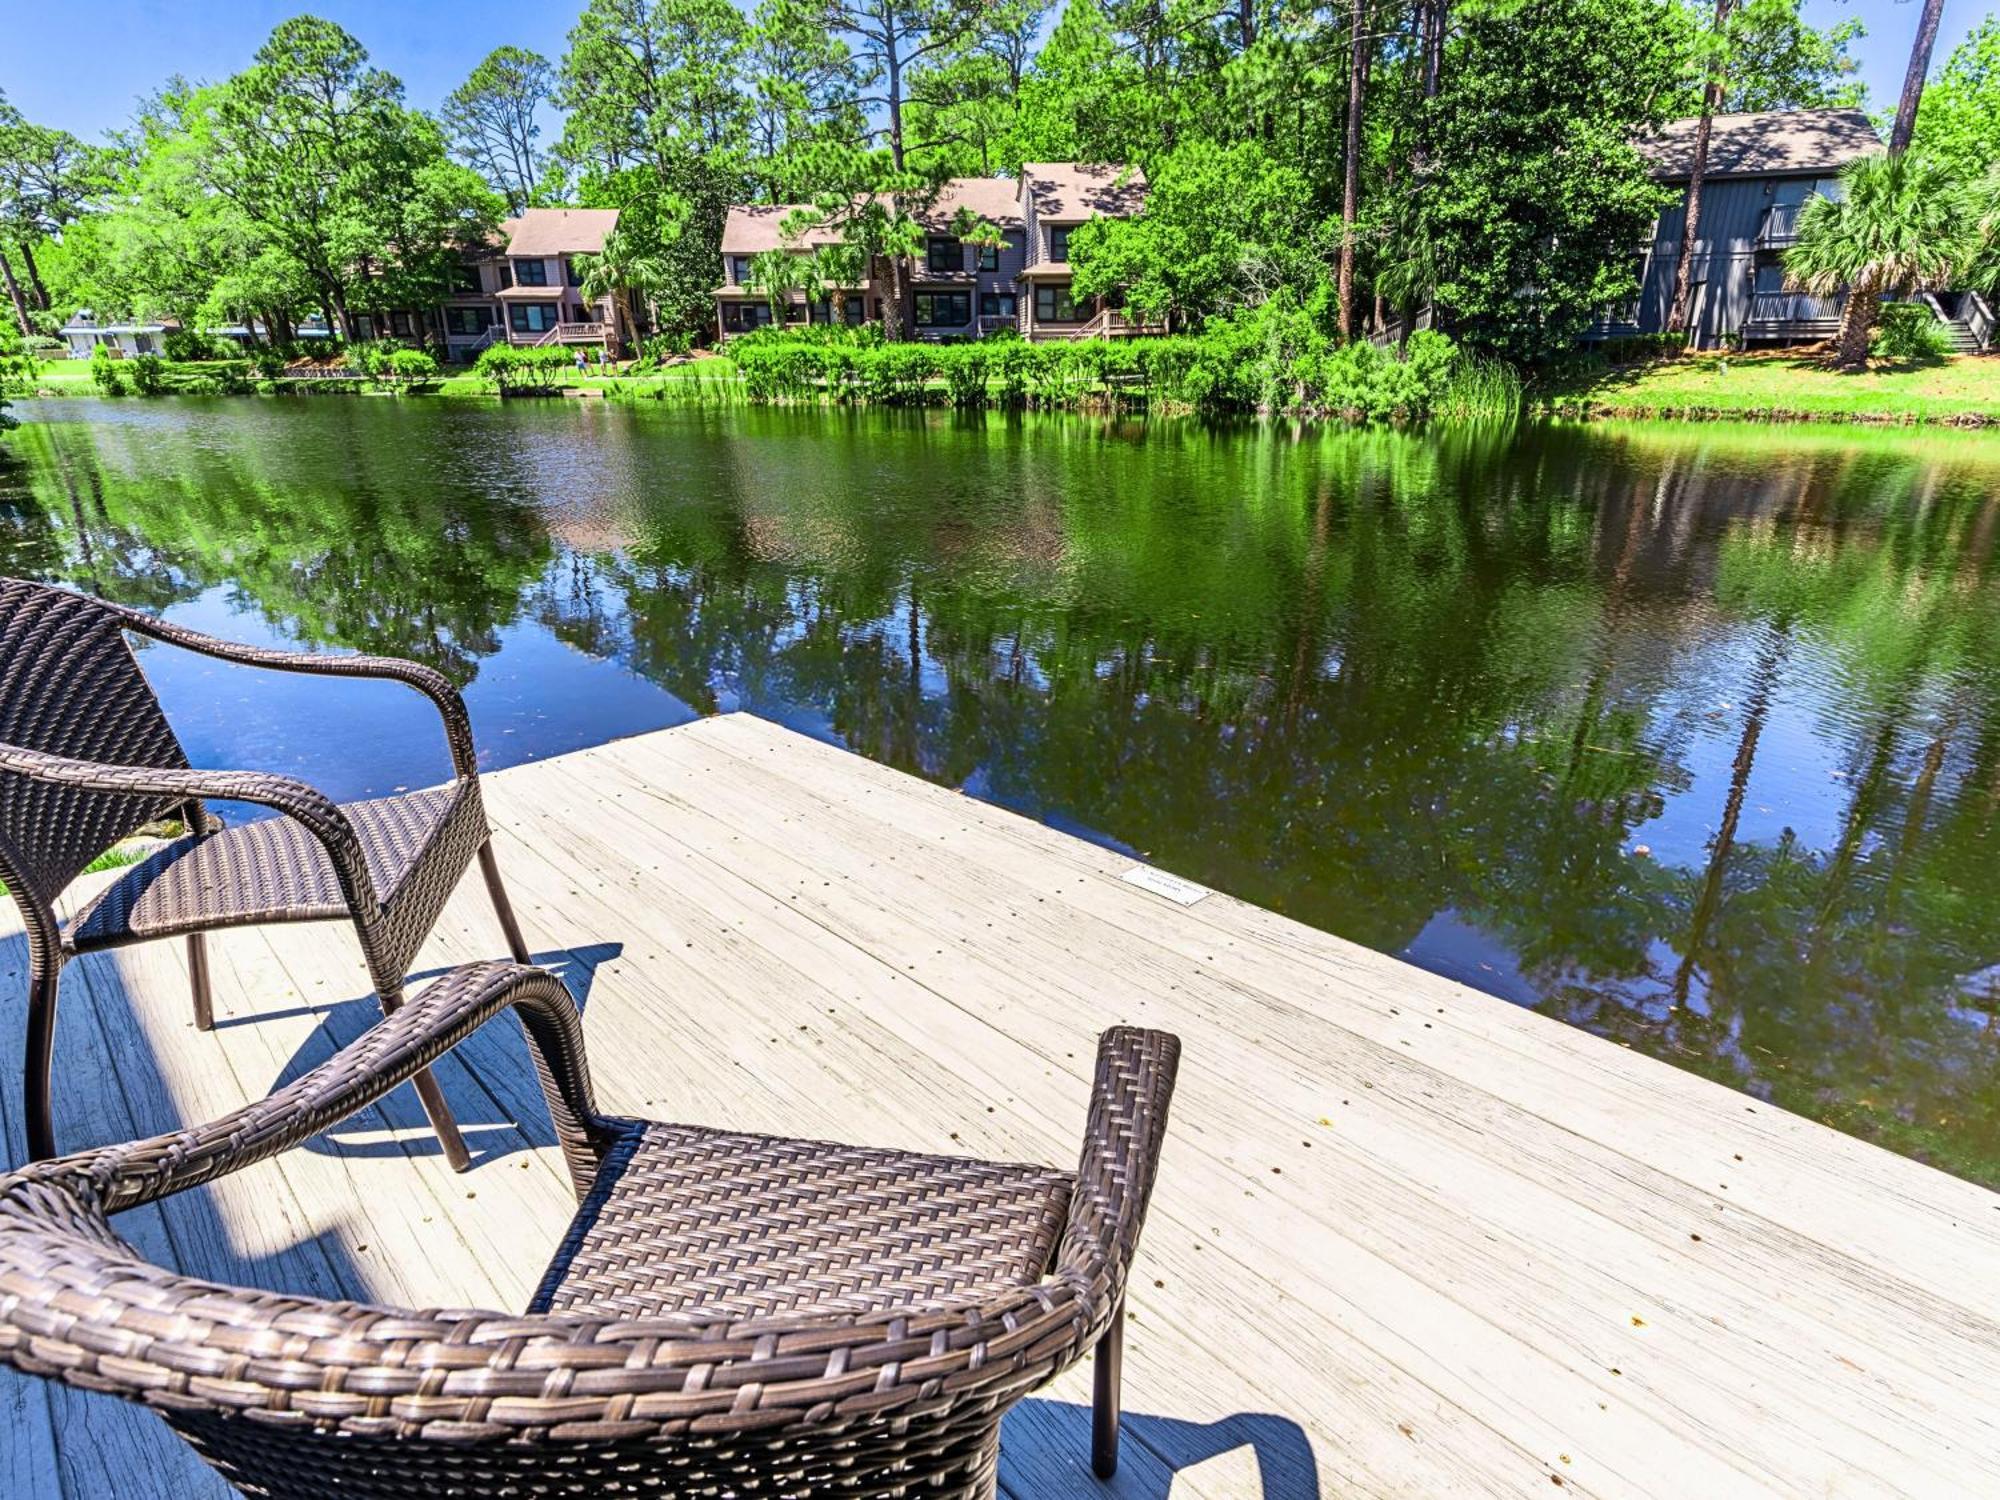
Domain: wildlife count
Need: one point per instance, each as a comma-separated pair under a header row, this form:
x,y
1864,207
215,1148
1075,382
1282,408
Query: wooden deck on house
x,y
1409,1240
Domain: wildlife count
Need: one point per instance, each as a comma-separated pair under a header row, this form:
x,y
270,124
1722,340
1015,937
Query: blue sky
x,y
80,64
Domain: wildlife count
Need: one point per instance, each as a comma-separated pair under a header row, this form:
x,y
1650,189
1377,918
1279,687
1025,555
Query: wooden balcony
x,y
1792,317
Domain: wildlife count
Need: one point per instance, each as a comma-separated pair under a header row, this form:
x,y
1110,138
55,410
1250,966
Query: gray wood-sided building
x,y
1762,169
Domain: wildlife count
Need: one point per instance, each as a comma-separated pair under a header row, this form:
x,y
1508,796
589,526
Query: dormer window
x,y
1059,243
532,272
739,270
989,257
945,255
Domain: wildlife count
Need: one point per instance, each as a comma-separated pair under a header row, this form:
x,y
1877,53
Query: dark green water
x,y
1690,737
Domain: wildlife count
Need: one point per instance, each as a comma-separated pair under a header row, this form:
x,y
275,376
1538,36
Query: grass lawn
x,y
1781,385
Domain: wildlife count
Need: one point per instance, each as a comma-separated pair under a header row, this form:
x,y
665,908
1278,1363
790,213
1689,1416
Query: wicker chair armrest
x,y
395,1049
1121,1153
304,804
432,683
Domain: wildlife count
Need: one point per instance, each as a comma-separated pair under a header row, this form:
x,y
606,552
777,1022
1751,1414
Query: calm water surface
x,y
1690,737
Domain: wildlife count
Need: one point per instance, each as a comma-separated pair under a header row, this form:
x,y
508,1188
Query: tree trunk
x,y
40,292
14,295
892,302
1350,198
1710,900
1913,80
1857,321
1678,314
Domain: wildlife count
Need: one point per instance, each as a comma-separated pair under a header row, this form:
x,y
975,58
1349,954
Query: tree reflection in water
x,y
1688,736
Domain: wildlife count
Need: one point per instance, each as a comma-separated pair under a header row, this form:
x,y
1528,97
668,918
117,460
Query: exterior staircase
x,y
1968,321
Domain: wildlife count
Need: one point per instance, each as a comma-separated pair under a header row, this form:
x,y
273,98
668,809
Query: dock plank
x,y
1409,1240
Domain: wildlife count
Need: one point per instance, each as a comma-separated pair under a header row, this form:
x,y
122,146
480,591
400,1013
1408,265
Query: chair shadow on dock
x,y
492,1091
1045,1452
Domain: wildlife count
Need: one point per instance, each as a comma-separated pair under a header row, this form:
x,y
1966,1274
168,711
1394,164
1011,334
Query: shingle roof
x,y
752,228
559,231
997,199
1765,144
1073,191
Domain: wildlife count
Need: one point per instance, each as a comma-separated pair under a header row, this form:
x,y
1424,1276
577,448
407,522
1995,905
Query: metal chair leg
x,y
41,1042
1108,1404
432,1099
502,907
204,1004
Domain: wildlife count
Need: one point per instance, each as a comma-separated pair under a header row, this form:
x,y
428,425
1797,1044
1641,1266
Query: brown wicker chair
x,y
729,1315
87,758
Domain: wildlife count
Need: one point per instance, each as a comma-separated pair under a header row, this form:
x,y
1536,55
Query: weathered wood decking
x,y
1409,1240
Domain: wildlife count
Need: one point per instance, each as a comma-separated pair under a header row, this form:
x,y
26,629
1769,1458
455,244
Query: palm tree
x,y
624,272
1901,224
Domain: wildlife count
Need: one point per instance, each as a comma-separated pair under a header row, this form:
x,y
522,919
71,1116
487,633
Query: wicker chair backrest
x,y
70,685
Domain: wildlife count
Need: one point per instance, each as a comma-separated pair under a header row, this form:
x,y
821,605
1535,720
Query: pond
x,y
1687,736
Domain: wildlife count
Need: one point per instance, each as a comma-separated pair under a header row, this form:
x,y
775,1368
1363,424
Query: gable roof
x,y
752,228
997,199
1768,143
559,231
1073,191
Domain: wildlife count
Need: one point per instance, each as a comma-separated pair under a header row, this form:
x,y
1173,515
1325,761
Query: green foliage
x,y
194,344
104,371
410,366
538,370
148,374
1958,119
1518,227
1276,358
1900,223
1909,332
17,371
1222,226
491,121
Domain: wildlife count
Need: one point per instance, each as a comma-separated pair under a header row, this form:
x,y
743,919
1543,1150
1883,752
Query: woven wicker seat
x,y
747,1225
728,1316
87,758
273,870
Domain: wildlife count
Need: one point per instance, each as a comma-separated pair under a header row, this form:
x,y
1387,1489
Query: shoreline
x,y
1878,406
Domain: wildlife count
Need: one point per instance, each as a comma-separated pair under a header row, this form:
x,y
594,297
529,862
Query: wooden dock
x,y
1409,1240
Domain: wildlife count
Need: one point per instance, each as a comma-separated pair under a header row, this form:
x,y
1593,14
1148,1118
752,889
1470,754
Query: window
x,y
570,276
142,343
467,320
996,305
364,327
399,324
1059,244
465,280
795,312
532,317
532,272
1053,304
945,254
854,311
989,257
739,270
943,309
741,317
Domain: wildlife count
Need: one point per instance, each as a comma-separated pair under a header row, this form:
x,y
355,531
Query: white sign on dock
x,y
1160,883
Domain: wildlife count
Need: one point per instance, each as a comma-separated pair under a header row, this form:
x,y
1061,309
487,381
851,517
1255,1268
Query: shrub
x,y
662,348
104,371
409,366
149,374
190,344
1907,331
539,369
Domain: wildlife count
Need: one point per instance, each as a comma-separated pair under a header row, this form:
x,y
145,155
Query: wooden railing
x,y
1779,226
574,333
1795,307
